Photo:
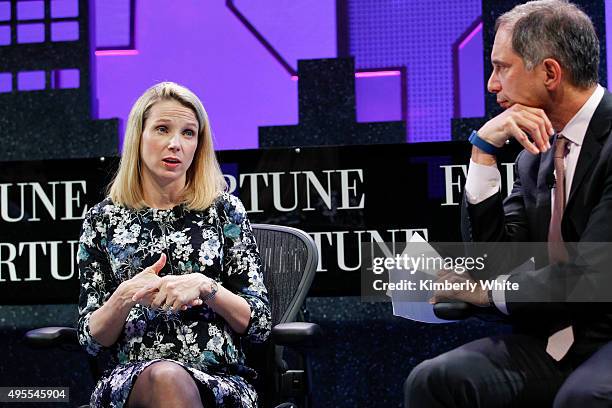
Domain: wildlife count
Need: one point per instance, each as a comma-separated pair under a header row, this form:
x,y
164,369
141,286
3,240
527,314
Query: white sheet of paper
x,y
420,311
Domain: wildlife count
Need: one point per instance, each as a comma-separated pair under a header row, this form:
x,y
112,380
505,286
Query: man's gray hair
x,y
554,29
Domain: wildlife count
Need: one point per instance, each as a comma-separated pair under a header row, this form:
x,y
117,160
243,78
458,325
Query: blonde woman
x,y
169,267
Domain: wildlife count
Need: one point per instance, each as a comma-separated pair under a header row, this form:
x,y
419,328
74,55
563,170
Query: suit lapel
x,y
597,132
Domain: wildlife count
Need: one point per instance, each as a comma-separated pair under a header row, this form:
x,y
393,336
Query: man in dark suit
x,y
545,62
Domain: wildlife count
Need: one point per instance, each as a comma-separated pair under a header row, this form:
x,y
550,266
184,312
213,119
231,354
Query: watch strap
x,y
214,288
483,144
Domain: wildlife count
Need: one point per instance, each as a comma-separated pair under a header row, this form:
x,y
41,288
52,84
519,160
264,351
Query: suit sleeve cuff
x,y
499,296
482,182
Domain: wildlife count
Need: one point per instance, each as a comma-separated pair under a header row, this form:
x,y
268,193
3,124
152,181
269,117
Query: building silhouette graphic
x,y
47,71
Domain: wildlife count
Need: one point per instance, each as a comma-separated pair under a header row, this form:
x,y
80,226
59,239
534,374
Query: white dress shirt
x,y
484,181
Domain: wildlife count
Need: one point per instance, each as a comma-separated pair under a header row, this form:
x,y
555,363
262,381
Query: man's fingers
x,y
540,112
541,137
451,278
535,122
449,296
522,138
521,122
442,273
441,296
531,127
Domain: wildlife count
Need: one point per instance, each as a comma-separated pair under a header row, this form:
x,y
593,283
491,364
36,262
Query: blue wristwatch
x,y
483,144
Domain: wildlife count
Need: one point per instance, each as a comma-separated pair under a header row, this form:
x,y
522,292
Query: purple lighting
x,y
364,74
471,35
261,96
115,24
5,35
64,8
370,74
65,31
468,72
115,53
5,11
414,34
6,82
379,96
30,10
291,30
65,79
30,33
31,80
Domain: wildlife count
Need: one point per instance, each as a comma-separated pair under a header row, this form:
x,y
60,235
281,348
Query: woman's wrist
x,y
208,289
123,299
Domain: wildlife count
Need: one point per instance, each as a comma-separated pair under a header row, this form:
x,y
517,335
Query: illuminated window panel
x,y
65,31
30,10
5,11
6,83
65,79
469,89
378,96
31,80
64,8
30,33
5,35
114,24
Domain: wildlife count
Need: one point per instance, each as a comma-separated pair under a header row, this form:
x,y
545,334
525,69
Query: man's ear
x,y
552,72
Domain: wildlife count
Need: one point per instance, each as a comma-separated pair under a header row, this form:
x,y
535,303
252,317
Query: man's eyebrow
x,y
498,62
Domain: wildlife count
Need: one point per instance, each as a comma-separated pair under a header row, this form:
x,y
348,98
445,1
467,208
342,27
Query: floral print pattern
x,y
117,243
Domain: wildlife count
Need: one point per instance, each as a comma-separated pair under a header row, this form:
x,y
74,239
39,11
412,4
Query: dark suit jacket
x,y
524,216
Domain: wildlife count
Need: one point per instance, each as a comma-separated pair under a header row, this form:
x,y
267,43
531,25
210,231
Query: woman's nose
x,y
175,143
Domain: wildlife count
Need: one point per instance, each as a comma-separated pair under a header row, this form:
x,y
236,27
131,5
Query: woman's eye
x,y
162,129
189,133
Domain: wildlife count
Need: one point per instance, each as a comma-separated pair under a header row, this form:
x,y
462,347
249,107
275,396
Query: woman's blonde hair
x,y
204,179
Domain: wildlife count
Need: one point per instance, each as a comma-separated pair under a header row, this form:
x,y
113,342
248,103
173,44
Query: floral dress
x,y
117,243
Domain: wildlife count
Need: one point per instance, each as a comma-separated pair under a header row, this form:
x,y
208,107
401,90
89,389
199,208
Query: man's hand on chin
x,y
522,123
472,293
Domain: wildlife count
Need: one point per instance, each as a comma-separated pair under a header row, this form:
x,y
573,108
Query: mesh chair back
x,y
289,261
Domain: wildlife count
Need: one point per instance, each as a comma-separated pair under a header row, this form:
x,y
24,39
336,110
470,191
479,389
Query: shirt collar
x,y
576,128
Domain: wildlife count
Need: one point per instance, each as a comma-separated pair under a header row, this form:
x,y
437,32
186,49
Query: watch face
x,y
214,287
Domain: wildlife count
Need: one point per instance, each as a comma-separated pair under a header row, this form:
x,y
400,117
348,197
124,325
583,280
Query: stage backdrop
x,y
342,196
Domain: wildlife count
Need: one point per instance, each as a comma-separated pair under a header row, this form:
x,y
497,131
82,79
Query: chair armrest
x,y
297,334
463,310
52,336
453,310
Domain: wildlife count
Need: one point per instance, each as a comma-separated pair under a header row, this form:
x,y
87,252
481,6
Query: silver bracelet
x,y
214,288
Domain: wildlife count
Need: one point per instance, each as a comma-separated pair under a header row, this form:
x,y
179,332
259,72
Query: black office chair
x,y
289,260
